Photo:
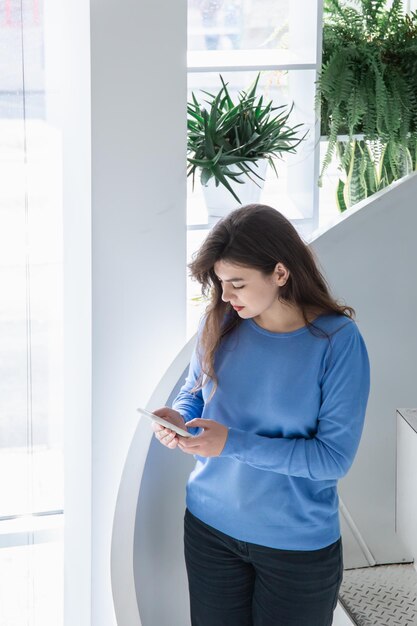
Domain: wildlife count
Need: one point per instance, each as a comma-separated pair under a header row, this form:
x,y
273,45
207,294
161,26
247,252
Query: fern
x,y
368,85
391,18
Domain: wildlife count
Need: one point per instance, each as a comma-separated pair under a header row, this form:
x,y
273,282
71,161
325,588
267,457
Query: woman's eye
x,y
238,287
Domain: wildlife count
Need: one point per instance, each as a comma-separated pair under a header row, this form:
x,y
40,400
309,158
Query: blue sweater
x,y
294,404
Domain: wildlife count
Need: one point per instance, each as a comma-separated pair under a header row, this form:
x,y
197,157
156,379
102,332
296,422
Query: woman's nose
x,y
225,296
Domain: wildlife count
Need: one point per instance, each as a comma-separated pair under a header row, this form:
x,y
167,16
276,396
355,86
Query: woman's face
x,y
251,293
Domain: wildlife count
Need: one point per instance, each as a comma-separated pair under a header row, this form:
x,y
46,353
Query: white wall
x,y
136,308
406,501
370,260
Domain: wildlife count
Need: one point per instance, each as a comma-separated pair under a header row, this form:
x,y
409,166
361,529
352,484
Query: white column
x,y
138,250
138,114
77,310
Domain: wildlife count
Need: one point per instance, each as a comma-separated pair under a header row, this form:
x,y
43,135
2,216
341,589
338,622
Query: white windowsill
x,y
242,60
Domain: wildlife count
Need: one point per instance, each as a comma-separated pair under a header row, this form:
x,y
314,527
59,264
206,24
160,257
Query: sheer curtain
x,y
31,483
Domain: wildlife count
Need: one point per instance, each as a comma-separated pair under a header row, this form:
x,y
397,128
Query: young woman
x,y
276,396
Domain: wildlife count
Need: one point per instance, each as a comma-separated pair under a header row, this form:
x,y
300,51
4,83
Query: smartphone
x,y
165,423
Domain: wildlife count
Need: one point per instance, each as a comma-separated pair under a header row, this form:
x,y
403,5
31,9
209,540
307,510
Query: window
x,y
237,24
31,480
237,39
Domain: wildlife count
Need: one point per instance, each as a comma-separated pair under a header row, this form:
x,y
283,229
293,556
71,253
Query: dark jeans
x,y
234,583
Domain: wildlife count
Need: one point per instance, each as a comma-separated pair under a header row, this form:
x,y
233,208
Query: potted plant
x,y
228,141
367,91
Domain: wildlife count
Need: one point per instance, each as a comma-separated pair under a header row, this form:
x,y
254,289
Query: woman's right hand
x,y
164,435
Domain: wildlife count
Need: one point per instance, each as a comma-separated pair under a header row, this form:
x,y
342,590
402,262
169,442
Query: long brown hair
x,y
259,237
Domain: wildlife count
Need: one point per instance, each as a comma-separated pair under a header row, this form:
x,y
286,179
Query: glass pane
x,y
31,480
30,262
237,24
31,585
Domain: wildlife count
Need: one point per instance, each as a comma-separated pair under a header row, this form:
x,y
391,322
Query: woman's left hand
x,y
209,443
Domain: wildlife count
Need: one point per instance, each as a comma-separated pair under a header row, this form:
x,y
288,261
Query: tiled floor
x,y
384,595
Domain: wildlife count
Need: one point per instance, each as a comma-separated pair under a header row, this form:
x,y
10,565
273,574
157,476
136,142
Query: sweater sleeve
x,y
330,452
191,405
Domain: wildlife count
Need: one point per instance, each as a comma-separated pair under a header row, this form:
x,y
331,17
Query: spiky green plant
x,y
368,84
369,169
239,134
363,177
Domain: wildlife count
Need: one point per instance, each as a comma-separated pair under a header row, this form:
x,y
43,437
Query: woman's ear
x,y
281,274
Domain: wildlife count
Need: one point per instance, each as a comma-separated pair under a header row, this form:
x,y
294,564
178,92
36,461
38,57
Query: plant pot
x,y
219,200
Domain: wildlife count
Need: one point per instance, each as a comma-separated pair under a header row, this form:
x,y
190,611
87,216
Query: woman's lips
x,y
238,308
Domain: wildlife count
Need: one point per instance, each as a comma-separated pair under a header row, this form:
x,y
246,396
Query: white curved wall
x,y
160,576
146,554
370,260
